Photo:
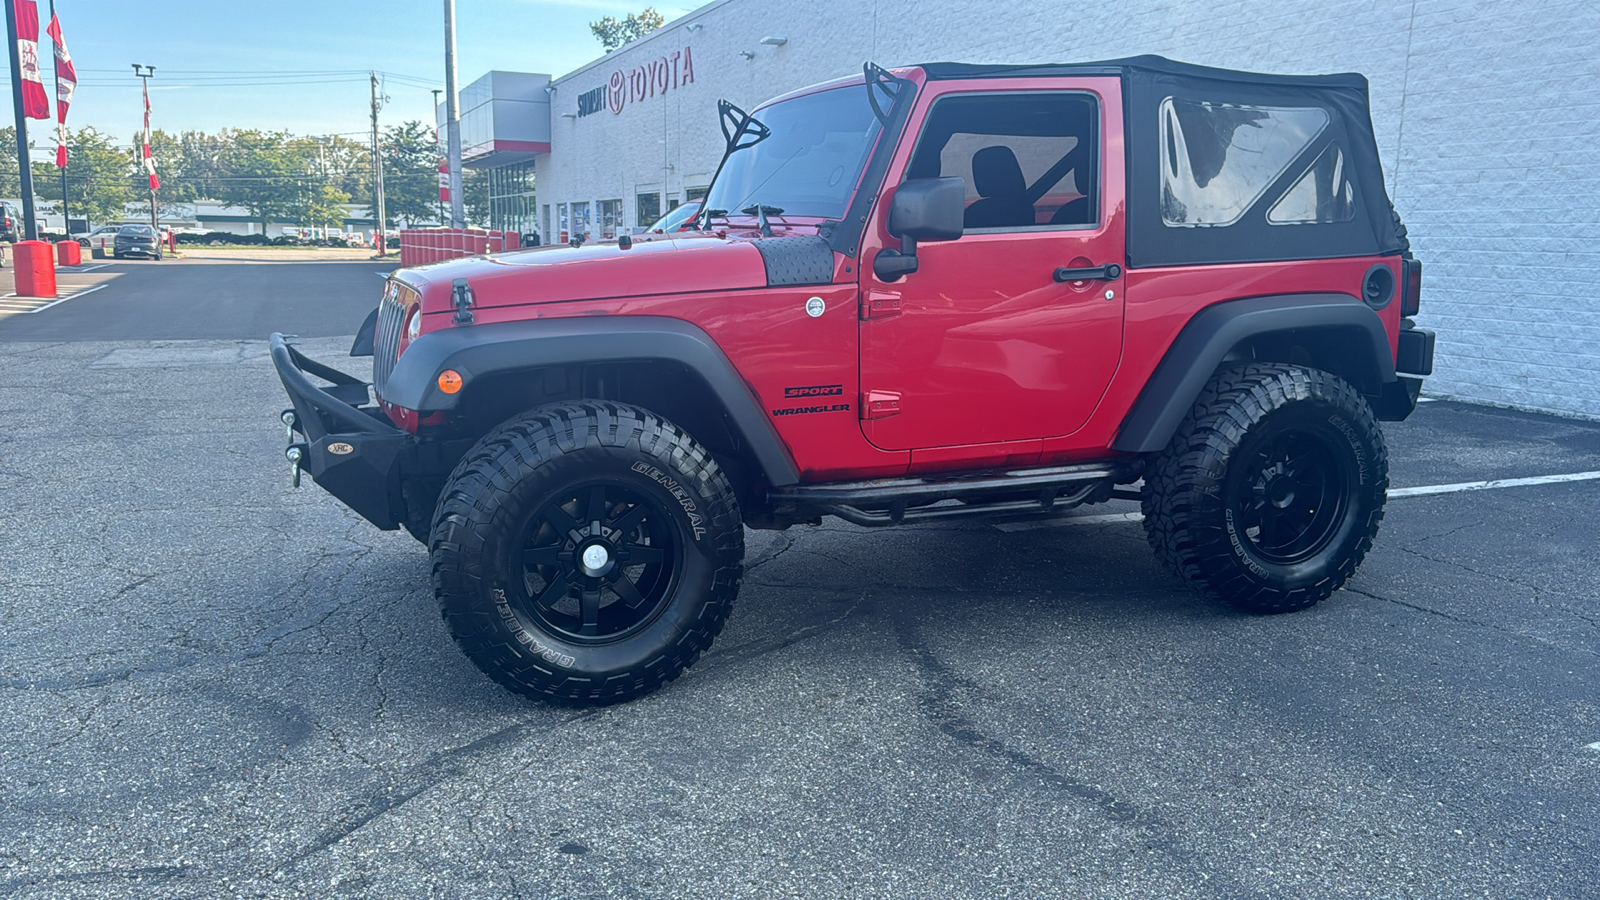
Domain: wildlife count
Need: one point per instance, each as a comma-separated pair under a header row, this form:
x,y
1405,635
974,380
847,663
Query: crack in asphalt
x,y
941,707
431,772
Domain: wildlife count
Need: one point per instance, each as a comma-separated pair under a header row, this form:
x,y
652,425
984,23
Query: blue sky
x,y
300,65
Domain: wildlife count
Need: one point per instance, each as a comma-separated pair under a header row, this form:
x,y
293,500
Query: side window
x,y
1217,159
1028,159
1322,196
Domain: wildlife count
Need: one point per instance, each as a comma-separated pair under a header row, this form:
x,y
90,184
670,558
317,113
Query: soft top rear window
x,y
1217,159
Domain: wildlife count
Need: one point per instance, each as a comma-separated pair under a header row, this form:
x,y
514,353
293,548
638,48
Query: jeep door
x,y
983,344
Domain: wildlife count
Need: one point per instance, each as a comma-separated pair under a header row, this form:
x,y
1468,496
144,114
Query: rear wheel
x,y
1271,492
586,552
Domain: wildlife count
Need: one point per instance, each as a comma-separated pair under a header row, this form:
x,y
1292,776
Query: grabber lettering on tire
x,y
587,552
1271,491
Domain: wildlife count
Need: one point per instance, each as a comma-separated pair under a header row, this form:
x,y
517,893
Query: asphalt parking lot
x,y
212,684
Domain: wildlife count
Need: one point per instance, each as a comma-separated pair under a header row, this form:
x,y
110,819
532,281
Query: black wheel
x,y
586,552
1270,493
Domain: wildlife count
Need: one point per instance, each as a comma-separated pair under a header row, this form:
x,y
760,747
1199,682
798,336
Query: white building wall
x,y
1487,116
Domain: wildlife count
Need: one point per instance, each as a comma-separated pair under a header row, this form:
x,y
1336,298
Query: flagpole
x,y
24,170
66,215
146,76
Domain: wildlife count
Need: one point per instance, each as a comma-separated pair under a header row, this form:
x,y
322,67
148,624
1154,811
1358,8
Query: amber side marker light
x,y
450,381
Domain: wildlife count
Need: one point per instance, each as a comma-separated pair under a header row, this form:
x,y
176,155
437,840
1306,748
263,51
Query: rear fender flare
x,y
477,351
1216,331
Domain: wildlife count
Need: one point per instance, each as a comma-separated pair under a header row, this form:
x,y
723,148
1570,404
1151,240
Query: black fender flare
x,y
1214,332
479,350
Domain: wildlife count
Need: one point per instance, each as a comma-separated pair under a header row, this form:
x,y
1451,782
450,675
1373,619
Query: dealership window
x,y
609,216
511,203
1217,159
695,193
563,231
580,220
648,208
544,224
1028,159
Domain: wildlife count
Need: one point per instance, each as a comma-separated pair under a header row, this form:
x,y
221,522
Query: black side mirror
x,y
924,209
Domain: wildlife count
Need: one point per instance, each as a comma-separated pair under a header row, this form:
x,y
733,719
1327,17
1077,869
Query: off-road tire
x,y
507,501
1203,491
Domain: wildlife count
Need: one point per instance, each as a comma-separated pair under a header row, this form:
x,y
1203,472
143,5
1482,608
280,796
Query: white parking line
x,y
15,303
1594,746
1426,490
1460,486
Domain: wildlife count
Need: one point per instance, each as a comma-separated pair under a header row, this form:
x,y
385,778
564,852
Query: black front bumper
x,y
351,449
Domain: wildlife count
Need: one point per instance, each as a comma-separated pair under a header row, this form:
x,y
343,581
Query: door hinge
x,y
880,404
880,304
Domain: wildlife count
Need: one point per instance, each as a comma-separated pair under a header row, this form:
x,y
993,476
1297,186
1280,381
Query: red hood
x,y
670,265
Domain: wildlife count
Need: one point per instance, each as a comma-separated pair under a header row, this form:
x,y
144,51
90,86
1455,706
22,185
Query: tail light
x,y
1410,286
8,221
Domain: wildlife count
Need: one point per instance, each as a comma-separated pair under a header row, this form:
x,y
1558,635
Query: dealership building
x,y
1485,115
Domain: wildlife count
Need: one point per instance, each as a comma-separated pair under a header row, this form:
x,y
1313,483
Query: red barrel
x,y
36,269
69,253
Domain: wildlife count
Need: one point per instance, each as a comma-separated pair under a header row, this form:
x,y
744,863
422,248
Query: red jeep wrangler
x,y
939,291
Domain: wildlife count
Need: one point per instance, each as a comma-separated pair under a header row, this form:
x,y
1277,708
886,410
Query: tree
x,y
319,205
98,188
410,172
262,173
475,197
612,32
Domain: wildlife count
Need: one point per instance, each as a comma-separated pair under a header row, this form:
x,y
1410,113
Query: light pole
x,y
24,165
458,215
138,70
436,93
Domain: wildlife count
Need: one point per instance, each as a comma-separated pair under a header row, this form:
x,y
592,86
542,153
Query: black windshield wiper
x,y
761,212
708,215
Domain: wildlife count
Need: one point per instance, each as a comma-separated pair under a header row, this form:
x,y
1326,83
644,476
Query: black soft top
x,y
1366,227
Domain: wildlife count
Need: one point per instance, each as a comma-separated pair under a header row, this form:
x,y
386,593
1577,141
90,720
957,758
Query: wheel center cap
x,y
1281,492
595,559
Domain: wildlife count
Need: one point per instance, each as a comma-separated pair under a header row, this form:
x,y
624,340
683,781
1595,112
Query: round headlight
x,y
414,327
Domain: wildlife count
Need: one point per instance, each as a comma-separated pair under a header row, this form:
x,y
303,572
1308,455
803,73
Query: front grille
x,y
386,339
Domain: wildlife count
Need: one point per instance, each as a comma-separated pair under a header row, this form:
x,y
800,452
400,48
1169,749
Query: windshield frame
x,y
844,233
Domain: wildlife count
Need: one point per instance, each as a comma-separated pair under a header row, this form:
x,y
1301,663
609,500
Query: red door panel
x,y
984,345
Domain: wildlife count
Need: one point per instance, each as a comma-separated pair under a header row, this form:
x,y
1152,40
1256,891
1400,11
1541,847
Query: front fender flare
x,y
479,350
1215,331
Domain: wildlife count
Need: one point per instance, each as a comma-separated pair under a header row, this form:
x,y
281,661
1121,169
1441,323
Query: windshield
x,y
811,162
138,230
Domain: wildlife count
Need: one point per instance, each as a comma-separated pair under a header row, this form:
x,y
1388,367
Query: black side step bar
x,y
891,501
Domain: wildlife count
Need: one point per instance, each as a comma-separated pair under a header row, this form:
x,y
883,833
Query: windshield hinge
x,y
461,296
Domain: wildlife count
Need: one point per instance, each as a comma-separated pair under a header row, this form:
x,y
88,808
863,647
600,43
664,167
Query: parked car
x,y
10,223
136,240
681,218
100,242
935,292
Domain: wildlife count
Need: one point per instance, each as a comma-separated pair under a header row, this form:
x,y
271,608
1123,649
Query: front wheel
x,y
1270,493
586,552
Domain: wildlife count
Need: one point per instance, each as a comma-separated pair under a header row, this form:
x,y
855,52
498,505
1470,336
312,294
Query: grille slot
x,y
386,338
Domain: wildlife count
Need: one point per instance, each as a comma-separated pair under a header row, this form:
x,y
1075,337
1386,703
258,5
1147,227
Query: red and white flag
x,y
35,102
66,85
149,164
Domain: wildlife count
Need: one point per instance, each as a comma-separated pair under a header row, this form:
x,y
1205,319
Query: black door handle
x,y
1107,272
